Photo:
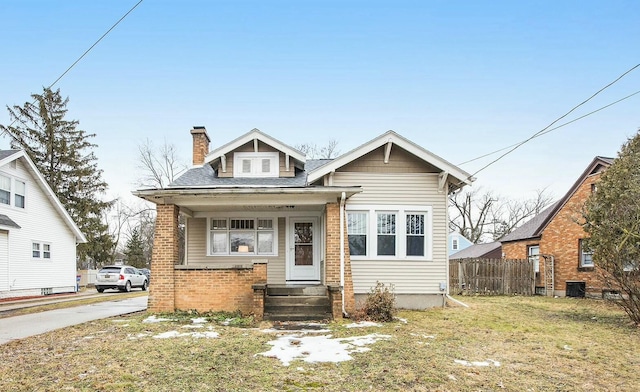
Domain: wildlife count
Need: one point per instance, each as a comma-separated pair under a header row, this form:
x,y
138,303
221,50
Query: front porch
x,y
255,284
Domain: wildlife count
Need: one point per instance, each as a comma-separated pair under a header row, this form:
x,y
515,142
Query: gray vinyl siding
x,y
197,251
395,190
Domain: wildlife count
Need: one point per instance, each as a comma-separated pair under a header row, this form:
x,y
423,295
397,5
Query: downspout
x,y
342,202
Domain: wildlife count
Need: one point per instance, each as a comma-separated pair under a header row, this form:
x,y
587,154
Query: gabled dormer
x,y
252,155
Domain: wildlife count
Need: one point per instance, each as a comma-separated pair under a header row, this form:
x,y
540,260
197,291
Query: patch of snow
x,y
424,336
363,324
191,326
452,377
567,347
154,319
403,321
227,321
199,320
175,334
138,336
120,321
89,337
488,362
319,348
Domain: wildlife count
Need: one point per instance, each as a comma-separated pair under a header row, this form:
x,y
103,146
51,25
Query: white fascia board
x,y
80,237
250,136
392,137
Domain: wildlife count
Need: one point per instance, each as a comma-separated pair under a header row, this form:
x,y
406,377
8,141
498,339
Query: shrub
x,y
380,304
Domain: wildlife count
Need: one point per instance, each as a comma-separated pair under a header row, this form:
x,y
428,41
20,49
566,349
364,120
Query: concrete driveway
x,y
19,327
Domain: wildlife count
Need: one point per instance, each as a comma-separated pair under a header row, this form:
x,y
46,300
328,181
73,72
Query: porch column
x,y
333,256
163,258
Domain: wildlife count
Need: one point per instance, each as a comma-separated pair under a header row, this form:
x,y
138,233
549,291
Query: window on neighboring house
x,y
255,164
357,232
455,244
242,236
533,252
19,194
40,250
586,255
5,189
386,234
594,188
415,234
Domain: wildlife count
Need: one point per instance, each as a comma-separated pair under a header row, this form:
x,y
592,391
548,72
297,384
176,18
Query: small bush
x,y
379,306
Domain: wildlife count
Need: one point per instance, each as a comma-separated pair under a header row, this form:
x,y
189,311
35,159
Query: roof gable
x,y
7,156
534,227
388,140
254,134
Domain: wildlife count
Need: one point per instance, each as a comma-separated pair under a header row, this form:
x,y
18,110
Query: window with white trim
x,y
586,255
357,233
389,234
255,164
415,234
386,232
242,236
12,191
533,252
40,250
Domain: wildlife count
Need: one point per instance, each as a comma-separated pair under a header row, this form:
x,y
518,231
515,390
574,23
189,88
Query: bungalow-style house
x,y
263,225
554,240
458,242
491,250
38,238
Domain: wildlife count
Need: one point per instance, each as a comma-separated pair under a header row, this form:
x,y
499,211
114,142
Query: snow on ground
x,y
319,348
363,324
210,334
154,319
488,362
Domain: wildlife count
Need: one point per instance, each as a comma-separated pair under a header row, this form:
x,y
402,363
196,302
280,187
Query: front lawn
x,y
498,343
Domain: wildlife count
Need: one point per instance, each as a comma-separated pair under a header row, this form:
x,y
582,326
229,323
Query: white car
x,y
120,277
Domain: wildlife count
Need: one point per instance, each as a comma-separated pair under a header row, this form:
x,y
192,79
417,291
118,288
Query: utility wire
x,y
86,52
553,129
550,125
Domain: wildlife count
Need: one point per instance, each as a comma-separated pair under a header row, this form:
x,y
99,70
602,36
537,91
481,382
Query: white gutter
x,y
342,202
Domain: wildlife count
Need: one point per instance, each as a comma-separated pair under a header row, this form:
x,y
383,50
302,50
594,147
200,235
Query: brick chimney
x,y
200,144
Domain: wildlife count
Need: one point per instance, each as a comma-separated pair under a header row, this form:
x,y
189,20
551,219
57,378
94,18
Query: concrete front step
x,y
291,290
298,317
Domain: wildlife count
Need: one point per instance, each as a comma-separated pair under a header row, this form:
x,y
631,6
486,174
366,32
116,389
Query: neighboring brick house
x,y
261,219
554,239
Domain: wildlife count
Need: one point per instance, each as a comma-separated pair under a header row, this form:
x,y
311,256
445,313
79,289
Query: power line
x,y
553,129
543,130
87,51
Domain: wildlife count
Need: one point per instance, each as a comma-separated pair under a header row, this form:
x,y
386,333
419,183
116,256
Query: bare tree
x,y
160,166
312,151
484,216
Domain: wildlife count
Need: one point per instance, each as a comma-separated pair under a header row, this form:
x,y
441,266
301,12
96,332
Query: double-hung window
x,y
533,252
238,236
357,232
40,250
389,234
586,255
11,188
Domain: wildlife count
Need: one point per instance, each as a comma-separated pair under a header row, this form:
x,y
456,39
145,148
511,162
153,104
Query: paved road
x,y
19,327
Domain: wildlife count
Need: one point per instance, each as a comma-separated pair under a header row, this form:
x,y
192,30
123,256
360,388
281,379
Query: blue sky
x,y
460,78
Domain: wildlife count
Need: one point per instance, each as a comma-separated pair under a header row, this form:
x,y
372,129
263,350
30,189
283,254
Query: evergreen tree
x,y
612,216
64,155
134,250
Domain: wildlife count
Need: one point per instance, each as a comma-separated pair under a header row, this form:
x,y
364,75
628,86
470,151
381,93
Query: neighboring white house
x,y
458,242
38,238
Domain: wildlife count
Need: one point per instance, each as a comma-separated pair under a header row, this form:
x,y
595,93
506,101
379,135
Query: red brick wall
x,y
560,239
332,262
163,258
218,289
200,145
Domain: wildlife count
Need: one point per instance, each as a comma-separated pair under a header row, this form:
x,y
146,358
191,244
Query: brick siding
x,y
333,257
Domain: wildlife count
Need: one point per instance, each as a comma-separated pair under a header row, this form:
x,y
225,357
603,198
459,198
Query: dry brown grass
x,y
543,344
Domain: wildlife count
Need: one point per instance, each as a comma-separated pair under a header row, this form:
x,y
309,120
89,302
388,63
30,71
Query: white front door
x,y
303,263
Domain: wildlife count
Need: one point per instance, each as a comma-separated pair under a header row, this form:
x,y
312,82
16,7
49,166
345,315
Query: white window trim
x,y
535,258
401,235
228,218
42,244
12,191
455,243
582,253
256,164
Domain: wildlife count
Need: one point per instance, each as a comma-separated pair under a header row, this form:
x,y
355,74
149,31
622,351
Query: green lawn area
x,y
519,344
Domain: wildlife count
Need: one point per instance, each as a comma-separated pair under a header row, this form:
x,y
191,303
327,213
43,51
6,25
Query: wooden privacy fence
x,y
491,277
